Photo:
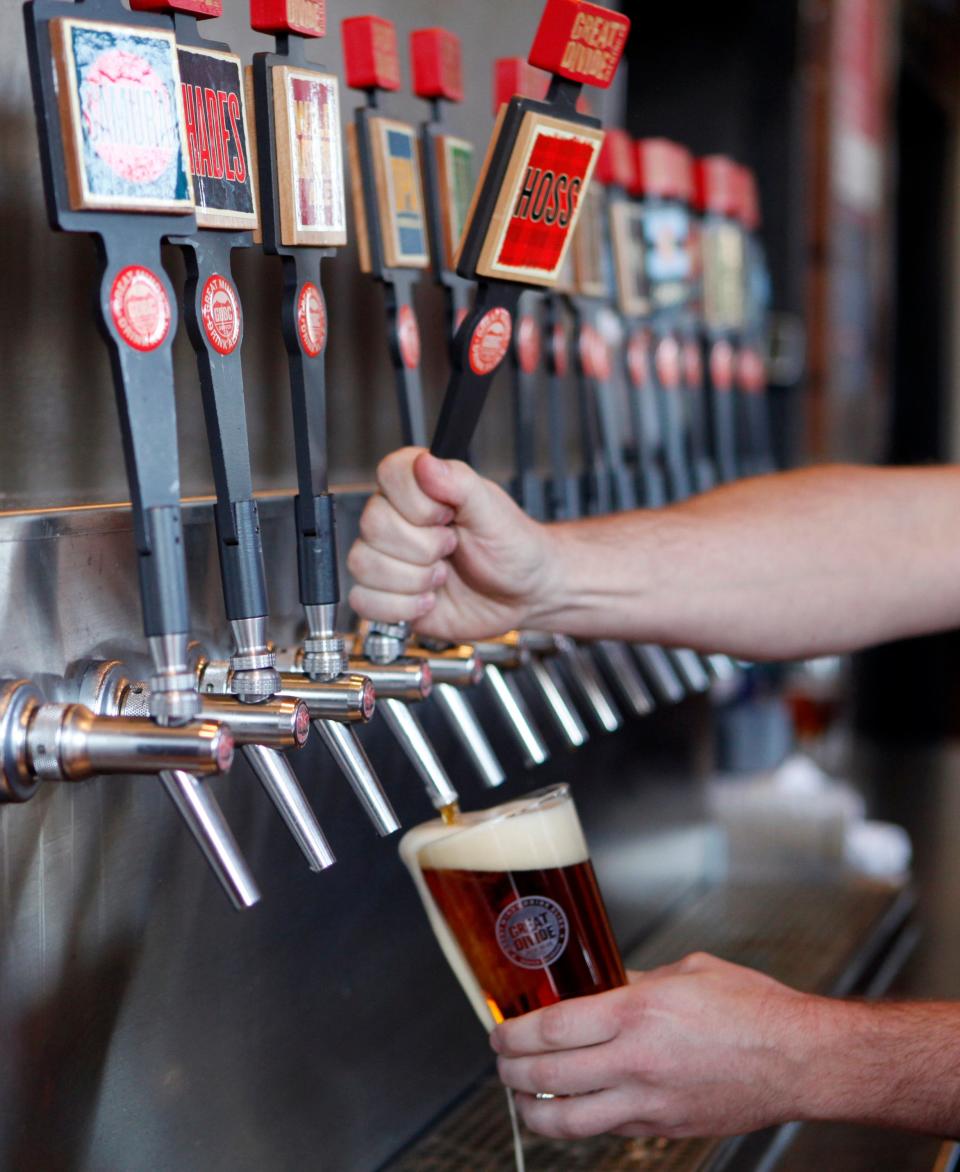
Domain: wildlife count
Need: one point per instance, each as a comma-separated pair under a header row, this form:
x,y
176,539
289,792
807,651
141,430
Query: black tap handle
x,y
304,318
403,335
138,318
722,406
215,325
478,349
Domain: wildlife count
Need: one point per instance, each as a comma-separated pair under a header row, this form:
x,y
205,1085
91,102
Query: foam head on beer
x,y
513,900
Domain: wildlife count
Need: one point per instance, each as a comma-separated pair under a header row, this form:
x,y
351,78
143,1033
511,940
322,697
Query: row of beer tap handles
x,y
182,723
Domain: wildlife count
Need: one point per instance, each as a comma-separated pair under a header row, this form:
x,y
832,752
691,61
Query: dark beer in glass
x,y
515,904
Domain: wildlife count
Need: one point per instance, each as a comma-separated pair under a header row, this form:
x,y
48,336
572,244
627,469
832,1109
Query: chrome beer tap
x,y
42,741
290,90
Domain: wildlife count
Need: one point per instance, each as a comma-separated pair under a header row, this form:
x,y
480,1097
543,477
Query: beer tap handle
x,y
437,76
215,326
140,355
563,488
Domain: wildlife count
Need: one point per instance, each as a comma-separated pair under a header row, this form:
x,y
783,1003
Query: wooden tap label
x,y
629,249
221,314
305,17
309,157
538,206
139,308
215,114
580,41
490,340
120,108
311,319
455,172
396,168
589,246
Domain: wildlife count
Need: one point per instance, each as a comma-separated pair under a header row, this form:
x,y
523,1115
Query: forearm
x,y
802,563
885,1064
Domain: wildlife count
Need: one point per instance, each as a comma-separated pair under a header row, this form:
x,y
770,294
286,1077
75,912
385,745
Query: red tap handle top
x,y
513,76
201,9
664,170
306,18
370,53
749,200
717,186
437,64
617,164
579,41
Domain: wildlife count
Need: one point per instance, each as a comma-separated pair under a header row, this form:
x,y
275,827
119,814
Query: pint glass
x,y
514,902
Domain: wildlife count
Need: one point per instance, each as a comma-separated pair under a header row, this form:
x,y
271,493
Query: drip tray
x,y
819,938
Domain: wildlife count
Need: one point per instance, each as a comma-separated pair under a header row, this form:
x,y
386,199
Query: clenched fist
x,y
447,550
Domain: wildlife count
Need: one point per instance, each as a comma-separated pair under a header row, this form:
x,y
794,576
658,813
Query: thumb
x,y
452,482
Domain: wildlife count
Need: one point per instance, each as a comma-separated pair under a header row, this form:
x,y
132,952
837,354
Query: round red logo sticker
x,y
408,337
311,320
490,341
140,146
638,359
721,366
140,308
558,347
220,313
528,344
667,361
751,374
692,365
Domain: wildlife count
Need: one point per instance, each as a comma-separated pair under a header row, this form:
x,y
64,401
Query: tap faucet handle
x,y
405,726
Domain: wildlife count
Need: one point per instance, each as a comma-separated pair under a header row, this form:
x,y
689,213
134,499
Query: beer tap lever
x,y
301,196
394,248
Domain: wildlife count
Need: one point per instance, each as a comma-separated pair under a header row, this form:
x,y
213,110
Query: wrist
x,y
560,580
833,1086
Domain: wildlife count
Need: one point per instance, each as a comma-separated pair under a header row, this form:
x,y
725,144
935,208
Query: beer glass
x,y
514,902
